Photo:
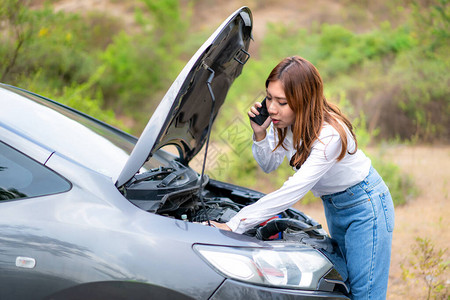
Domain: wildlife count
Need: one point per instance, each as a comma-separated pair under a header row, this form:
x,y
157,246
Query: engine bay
x,y
175,192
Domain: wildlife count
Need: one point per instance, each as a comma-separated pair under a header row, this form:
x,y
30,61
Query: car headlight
x,y
287,267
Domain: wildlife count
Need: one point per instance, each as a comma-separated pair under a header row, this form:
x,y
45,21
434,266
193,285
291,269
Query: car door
x,y
24,181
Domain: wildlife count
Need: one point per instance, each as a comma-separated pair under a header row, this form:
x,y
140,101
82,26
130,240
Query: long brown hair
x,y
303,88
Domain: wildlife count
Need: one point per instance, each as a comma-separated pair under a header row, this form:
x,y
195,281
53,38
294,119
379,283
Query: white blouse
x,y
321,173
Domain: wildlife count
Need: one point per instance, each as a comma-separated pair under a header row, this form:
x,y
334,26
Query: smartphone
x,y
263,114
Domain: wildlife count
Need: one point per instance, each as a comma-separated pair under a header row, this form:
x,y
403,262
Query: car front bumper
x,y
231,289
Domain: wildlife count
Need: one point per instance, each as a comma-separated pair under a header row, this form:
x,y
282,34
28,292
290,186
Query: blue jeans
x,y
361,220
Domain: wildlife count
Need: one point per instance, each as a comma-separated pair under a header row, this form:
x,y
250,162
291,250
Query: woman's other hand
x,y
222,226
259,131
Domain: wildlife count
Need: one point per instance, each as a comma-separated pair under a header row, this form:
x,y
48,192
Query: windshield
x,y
75,135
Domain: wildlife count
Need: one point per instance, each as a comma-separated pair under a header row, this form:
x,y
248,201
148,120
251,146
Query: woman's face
x,y
281,114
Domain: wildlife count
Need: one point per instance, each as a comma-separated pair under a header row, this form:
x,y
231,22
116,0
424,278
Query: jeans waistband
x,y
368,183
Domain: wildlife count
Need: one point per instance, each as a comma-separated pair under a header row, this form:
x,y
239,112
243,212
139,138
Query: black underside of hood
x,y
183,115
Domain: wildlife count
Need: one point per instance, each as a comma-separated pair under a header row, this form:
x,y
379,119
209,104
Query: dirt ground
x,y
426,216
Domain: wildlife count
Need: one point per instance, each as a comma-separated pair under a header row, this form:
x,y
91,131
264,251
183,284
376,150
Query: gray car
x,y
88,211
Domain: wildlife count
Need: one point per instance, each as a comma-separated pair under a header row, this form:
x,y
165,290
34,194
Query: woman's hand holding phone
x,y
259,119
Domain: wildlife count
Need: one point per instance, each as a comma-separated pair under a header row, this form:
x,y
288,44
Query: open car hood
x,y
182,117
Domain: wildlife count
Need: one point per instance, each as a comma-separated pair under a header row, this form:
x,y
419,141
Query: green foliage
x,y
58,52
423,91
54,44
400,71
169,24
83,97
428,266
431,24
334,48
400,184
139,66
129,77
18,29
46,52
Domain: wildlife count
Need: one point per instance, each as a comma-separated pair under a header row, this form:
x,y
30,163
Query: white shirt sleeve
x,y
323,156
268,159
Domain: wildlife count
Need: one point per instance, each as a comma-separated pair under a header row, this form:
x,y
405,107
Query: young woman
x,y
320,145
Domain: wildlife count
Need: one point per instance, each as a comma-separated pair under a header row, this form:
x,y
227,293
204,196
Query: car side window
x,y
23,177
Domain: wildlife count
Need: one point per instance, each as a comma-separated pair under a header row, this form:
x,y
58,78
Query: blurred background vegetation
x,y
386,64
